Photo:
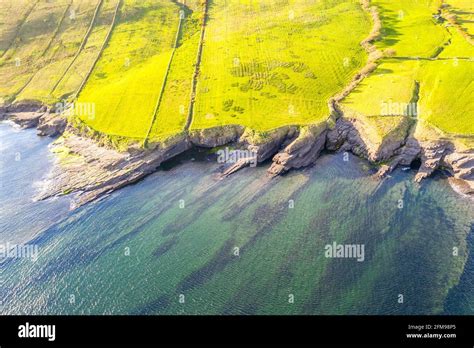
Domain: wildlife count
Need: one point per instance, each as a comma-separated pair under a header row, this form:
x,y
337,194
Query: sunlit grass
x,y
65,47
30,40
381,100
464,12
408,27
173,110
446,95
126,82
445,81
264,64
271,64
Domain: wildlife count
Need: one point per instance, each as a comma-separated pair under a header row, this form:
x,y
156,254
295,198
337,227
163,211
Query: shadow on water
x,y
146,215
460,299
199,154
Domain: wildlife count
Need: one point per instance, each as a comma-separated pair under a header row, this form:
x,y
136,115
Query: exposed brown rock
x,y
432,154
217,136
92,171
274,141
51,124
301,152
25,119
264,146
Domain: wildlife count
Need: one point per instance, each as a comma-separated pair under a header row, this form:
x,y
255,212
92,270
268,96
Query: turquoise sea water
x,y
183,242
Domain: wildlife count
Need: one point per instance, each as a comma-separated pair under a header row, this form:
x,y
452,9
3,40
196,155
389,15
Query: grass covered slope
x,y
12,15
383,100
274,63
173,110
127,80
408,27
264,64
425,75
463,13
28,44
55,44
77,44
446,96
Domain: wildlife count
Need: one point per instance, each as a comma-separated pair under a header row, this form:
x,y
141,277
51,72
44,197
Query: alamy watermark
x,y
399,109
14,251
84,109
234,156
345,251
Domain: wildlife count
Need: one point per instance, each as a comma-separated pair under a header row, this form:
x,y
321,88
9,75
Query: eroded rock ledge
x,y
33,114
90,171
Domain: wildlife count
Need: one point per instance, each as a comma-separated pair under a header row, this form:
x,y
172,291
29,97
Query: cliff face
x,y
91,171
417,144
34,114
453,157
301,152
217,136
51,124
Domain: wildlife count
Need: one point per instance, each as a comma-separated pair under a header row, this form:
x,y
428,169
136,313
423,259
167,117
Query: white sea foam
x,y
16,127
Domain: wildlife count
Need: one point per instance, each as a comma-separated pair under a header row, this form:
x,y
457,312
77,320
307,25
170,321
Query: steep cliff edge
x,y
89,168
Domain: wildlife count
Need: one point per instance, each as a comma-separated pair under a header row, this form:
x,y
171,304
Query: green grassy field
x,y
276,63
393,81
12,14
424,50
127,80
264,64
446,95
463,10
50,55
382,100
408,27
63,77
459,47
172,112
28,45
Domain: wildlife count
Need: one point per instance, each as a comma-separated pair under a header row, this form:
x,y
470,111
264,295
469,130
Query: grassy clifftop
x,y
422,46
149,70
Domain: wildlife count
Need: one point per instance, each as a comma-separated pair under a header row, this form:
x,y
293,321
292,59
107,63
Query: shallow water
x,y
24,162
183,242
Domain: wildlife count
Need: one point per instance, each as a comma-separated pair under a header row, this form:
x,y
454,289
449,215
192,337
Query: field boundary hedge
x,y
81,47
165,78
104,44
20,25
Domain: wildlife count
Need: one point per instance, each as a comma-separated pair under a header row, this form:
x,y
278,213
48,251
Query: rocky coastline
x,y
90,170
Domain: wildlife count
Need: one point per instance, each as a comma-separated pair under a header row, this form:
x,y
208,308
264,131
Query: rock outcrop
x,y
301,152
29,115
216,136
445,155
26,119
51,124
261,145
432,155
345,136
92,171
269,144
461,165
404,156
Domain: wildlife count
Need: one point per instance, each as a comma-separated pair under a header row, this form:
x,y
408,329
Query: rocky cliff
x,y
91,171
